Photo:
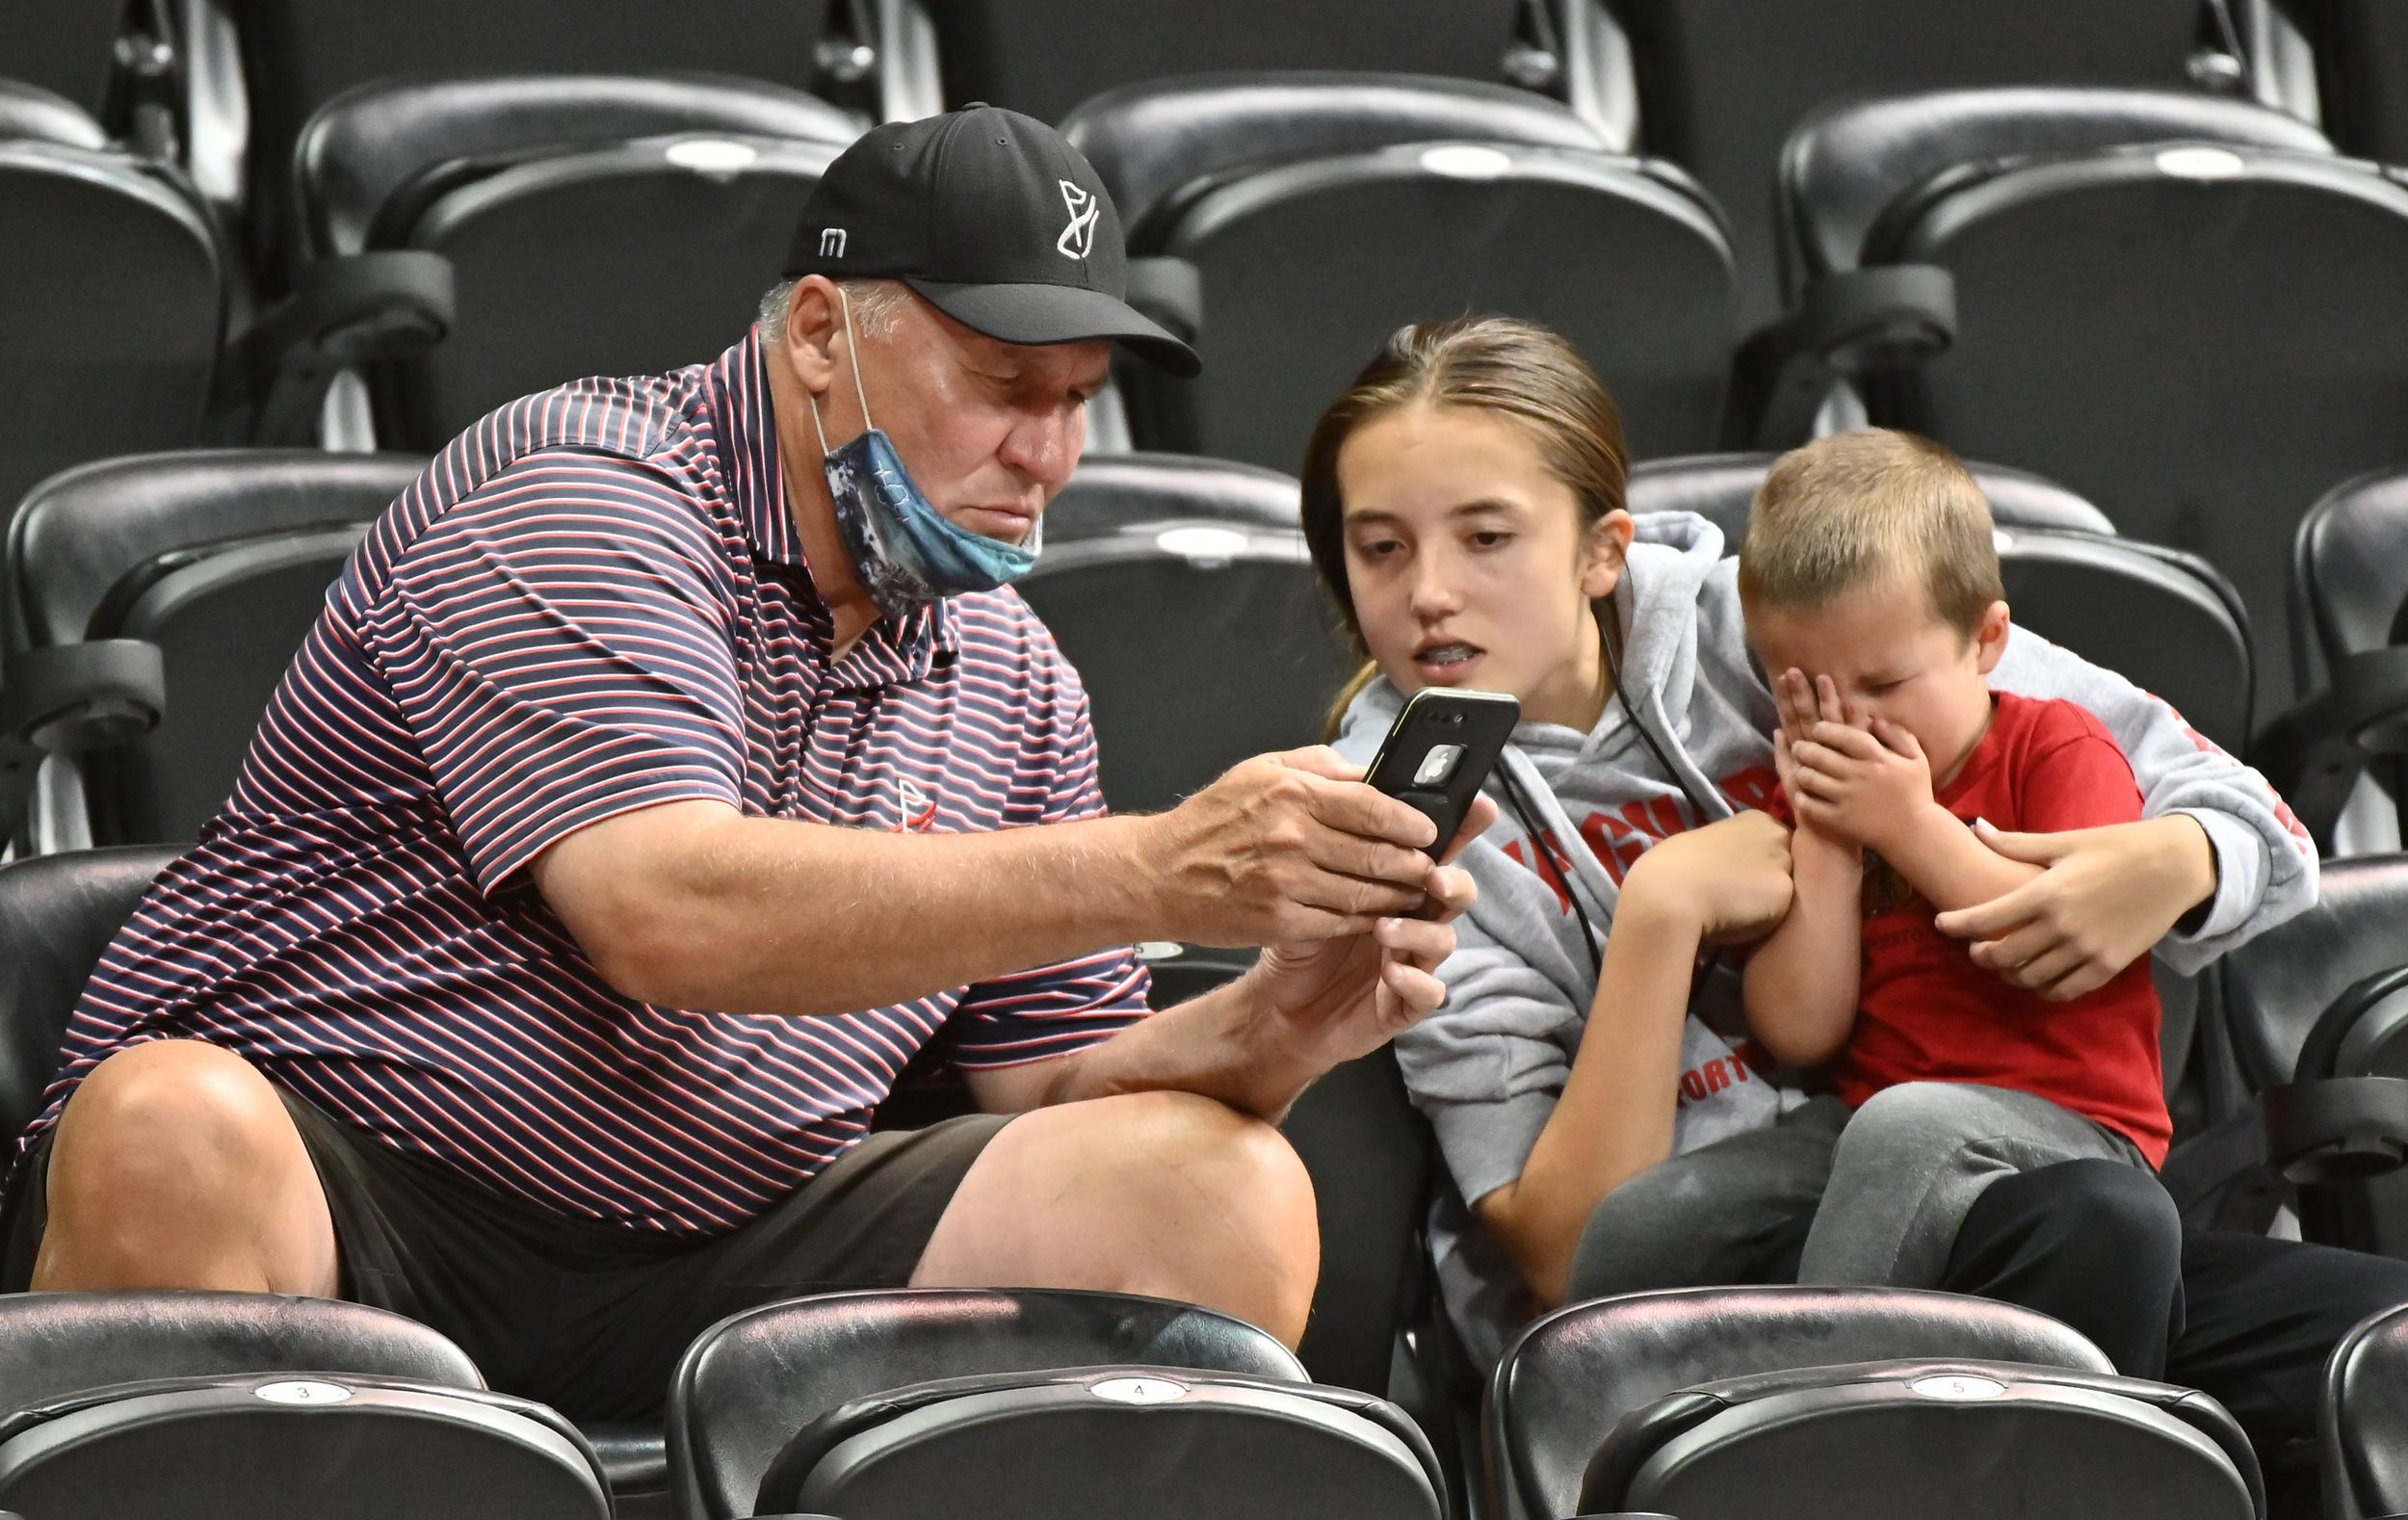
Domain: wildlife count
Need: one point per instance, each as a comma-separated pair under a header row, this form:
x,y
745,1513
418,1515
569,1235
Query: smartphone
x,y
1439,751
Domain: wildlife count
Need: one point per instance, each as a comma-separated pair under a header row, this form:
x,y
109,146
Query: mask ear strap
x,y
852,351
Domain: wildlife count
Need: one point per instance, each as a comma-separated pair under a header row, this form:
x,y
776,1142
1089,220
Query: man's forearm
x,y
752,915
1207,1045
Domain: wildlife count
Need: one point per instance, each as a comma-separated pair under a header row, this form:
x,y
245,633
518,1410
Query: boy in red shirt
x,y
1869,580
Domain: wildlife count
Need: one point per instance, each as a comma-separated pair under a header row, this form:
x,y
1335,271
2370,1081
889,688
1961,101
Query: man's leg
x,y
1162,1193
2096,1243
176,1165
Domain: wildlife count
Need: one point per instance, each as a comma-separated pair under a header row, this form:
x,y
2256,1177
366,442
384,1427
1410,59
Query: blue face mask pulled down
x,y
905,552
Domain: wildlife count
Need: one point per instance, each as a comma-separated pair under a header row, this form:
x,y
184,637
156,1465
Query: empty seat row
x,y
2017,273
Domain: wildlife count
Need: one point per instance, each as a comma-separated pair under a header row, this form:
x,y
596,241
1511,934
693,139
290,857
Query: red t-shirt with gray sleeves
x,y
594,601
1926,1014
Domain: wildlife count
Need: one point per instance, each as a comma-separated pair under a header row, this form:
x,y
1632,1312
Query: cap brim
x,y
1058,314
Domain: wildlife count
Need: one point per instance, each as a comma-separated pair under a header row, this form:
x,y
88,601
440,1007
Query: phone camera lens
x,y
1454,719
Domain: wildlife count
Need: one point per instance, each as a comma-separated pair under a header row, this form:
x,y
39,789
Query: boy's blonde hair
x,y
1847,511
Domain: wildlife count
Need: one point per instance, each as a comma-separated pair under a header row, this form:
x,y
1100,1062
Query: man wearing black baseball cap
x,y
668,771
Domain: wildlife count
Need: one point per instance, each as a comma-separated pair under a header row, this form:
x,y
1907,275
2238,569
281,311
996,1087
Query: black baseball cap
x,y
994,220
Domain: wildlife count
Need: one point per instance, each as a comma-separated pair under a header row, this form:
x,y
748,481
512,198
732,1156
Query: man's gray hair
x,y
877,305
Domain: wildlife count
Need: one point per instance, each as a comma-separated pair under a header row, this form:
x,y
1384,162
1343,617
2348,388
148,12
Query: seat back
x,y
1323,212
1723,82
1170,582
276,1447
609,224
111,298
2349,572
1193,1447
57,914
68,46
223,558
1721,488
2363,1423
1046,56
56,1346
749,1382
297,56
2129,322
2277,986
1983,1440
1563,1385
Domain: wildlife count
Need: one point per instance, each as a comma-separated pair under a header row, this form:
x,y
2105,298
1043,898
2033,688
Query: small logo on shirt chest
x,y
915,807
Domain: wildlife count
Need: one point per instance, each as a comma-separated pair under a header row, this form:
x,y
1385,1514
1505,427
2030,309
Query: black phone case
x,y
1480,722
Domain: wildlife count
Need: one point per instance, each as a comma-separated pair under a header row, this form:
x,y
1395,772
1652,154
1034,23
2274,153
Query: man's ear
x,y
814,329
1990,638
1606,549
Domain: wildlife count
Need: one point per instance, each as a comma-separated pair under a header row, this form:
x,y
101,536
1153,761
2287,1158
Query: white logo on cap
x,y
1080,236
832,243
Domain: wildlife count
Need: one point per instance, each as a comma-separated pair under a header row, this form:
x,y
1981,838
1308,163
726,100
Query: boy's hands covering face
x,y
1858,779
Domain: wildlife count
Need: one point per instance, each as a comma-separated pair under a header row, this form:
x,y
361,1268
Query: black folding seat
x,y
1721,83
1721,488
2339,754
2363,1424
2165,620
2128,312
296,57
1322,211
930,1402
602,223
1045,56
113,296
2316,1009
218,561
1591,1375
1171,583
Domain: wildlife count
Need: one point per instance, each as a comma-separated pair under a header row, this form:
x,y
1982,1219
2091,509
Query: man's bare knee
x,y
176,1165
1161,1193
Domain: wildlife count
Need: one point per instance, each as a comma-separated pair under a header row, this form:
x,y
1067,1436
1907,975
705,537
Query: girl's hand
x,y
2103,899
1730,879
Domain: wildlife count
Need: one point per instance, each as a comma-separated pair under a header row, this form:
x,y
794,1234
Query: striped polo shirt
x,y
593,601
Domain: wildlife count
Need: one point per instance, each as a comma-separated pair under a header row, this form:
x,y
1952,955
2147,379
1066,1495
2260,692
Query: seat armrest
x,y
2332,1129
2314,754
67,698
346,311
1858,322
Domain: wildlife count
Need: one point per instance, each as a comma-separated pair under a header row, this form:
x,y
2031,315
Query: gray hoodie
x,y
1487,1067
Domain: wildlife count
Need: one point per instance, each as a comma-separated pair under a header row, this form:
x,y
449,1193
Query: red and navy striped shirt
x,y
593,601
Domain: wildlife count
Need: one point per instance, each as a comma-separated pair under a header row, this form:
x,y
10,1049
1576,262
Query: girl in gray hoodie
x,y
1464,506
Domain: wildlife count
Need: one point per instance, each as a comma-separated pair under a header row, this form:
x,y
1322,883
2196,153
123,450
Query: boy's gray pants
x,y
1887,1187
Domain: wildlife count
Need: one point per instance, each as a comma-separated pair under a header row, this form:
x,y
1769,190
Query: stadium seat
x,y
2339,754
1723,82
219,1406
1571,1377
1322,211
1163,575
1721,488
2363,1424
297,56
2165,620
2128,312
1045,56
2319,1006
751,1382
219,562
114,290
594,224
1894,1440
